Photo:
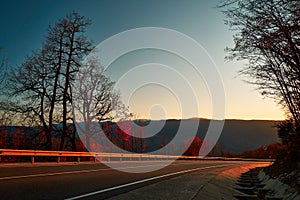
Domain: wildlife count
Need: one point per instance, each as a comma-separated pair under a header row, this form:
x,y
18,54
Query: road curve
x,y
92,180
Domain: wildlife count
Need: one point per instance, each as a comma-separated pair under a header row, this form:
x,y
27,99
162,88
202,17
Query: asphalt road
x,y
93,180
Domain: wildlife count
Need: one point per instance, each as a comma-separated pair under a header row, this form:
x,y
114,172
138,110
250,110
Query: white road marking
x,y
142,181
82,171
70,172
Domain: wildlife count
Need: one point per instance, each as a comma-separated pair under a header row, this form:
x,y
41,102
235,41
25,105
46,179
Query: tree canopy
x,y
267,36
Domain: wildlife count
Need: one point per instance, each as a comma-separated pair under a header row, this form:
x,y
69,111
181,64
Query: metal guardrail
x,y
98,155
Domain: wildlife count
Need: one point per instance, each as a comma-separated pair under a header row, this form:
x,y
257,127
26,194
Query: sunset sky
x,y
24,26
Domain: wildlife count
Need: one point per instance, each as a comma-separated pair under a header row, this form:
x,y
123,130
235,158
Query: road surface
x,y
94,180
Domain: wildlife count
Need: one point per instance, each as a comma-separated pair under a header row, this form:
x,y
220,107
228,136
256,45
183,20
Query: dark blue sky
x,y
24,26
24,23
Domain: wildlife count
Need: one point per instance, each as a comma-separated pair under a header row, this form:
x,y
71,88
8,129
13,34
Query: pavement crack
x,y
201,187
198,191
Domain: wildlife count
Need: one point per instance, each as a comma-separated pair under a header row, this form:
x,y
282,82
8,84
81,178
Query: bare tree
x,y
74,47
3,69
5,117
267,35
95,99
29,92
39,90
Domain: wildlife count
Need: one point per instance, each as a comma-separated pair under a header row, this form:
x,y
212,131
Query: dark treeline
x,y
137,137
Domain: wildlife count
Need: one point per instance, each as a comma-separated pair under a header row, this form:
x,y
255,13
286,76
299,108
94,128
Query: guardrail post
x,y
58,159
97,158
32,159
78,159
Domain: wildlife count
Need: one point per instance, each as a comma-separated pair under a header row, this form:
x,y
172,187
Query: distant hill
x,y
237,135
241,135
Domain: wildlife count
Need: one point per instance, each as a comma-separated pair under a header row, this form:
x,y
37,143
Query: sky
x,y
154,83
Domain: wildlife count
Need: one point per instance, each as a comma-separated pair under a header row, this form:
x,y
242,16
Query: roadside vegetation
x,y
267,38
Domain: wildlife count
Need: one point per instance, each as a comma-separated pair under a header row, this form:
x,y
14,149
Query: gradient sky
x,y
24,25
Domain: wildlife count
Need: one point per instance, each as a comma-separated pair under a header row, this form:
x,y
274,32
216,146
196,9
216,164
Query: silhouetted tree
x,y
74,47
30,90
39,90
5,117
288,132
95,99
267,36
